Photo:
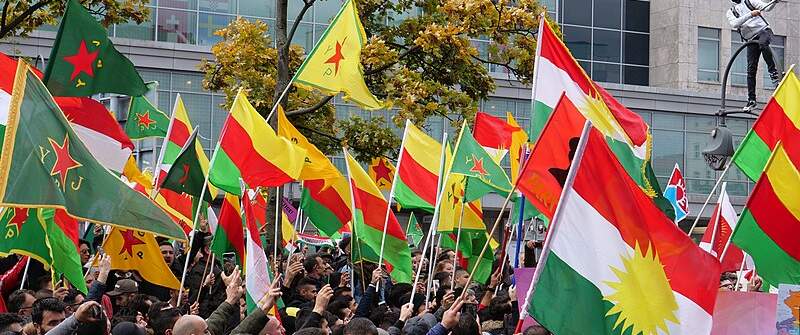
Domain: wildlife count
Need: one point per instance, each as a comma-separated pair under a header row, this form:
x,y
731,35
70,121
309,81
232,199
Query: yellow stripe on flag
x,y
182,115
361,179
788,96
785,180
317,165
423,148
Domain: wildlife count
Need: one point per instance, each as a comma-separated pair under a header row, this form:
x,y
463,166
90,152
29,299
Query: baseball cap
x,y
124,286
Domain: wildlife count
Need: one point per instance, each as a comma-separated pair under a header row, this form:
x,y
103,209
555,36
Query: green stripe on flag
x,y
396,252
541,113
752,155
320,216
772,262
408,199
224,174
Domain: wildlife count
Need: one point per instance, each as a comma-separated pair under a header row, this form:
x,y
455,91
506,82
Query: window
x,y
607,13
738,75
579,41
606,45
636,47
208,24
143,31
577,12
637,15
707,54
605,72
176,26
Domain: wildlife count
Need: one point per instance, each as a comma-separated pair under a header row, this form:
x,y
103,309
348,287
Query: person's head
x,y
10,322
462,276
736,1
73,299
344,244
360,326
314,266
307,289
127,328
47,313
123,292
536,330
44,282
311,331
162,317
167,251
340,307
99,327
443,278
85,250
273,327
444,266
467,325
342,291
190,325
20,302
305,314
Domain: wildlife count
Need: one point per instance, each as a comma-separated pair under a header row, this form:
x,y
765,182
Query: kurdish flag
x,y
543,176
45,165
369,213
381,170
471,160
494,133
84,62
47,235
250,150
418,170
780,120
326,194
145,120
557,73
136,250
229,233
770,224
628,268
334,65
257,280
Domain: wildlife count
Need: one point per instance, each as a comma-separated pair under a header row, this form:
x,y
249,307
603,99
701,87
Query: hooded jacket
x,y
740,17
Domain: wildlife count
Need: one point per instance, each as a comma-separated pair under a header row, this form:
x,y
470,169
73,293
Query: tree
x,y
420,58
20,17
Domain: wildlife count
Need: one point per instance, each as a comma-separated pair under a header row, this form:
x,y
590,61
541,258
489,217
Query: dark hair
x,y
419,300
16,299
443,256
306,281
310,262
337,305
497,309
359,326
7,319
82,241
395,297
310,331
339,292
166,242
139,303
72,295
536,330
415,252
467,325
46,304
440,294
162,316
330,317
93,328
344,242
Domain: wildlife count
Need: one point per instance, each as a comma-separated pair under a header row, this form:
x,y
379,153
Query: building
x,y
664,59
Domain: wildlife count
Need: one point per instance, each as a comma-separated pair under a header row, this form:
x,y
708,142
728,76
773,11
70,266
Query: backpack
x,y
737,15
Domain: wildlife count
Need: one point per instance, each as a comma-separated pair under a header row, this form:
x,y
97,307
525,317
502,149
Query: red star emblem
x,y
455,198
337,56
144,121
18,218
128,241
64,161
382,171
82,61
477,166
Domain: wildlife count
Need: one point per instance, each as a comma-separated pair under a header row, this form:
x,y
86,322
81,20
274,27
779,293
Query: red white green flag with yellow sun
x,y
628,268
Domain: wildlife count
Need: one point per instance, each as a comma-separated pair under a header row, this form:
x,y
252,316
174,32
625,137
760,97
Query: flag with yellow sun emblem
x,y
616,263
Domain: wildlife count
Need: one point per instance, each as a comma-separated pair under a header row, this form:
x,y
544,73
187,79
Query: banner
x,y
737,313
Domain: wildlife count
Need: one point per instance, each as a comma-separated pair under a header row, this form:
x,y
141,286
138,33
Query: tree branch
x,y
505,65
5,13
388,65
306,5
313,108
28,12
335,140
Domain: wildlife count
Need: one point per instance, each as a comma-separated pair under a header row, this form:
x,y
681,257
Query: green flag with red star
x,y
485,175
186,174
84,62
145,120
48,236
45,164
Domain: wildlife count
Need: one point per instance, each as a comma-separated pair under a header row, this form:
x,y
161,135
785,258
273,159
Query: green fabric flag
x,y
84,62
472,160
186,175
35,233
469,248
45,164
145,120
413,230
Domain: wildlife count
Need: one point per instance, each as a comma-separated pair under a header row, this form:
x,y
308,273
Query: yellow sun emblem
x,y
642,298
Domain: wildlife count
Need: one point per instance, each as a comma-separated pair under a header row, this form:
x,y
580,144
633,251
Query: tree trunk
x,y
283,52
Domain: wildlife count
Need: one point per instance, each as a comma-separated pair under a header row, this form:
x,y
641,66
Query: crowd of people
x,y
315,290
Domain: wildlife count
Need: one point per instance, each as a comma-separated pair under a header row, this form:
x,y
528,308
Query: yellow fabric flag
x,y
450,212
135,250
381,171
317,165
519,140
288,234
334,65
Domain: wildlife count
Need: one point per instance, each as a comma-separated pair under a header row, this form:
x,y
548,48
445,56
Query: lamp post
x,y
720,149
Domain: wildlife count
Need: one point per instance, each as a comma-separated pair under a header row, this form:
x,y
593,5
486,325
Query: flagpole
x,y
157,167
277,221
739,275
458,239
25,273
391,195
708,198
573,169
537,58
520,225
716,221
504,251
435,221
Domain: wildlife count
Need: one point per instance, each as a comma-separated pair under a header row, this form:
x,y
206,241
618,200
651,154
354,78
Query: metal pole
x,y
708,198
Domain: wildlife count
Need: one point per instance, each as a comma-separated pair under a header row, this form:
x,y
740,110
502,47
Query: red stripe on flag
x,y
180,133
93,115
603,182
374,211
494,132
417,178
256,170
329,198
557,53
774,219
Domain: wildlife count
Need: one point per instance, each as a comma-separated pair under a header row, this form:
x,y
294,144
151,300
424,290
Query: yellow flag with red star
x,y
334,65
135,250
381,171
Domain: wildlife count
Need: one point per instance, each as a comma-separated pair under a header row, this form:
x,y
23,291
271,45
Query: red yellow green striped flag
x,y
769,226
229,234
780,120
250,150
418,170
369,214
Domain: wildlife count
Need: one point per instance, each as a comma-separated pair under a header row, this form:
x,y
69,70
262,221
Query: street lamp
x,y
720,149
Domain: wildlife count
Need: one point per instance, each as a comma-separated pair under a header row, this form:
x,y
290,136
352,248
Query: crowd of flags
x,y
584,168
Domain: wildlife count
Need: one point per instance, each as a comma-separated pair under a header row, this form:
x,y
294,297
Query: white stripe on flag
x,y
554,82
108,151
5,104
